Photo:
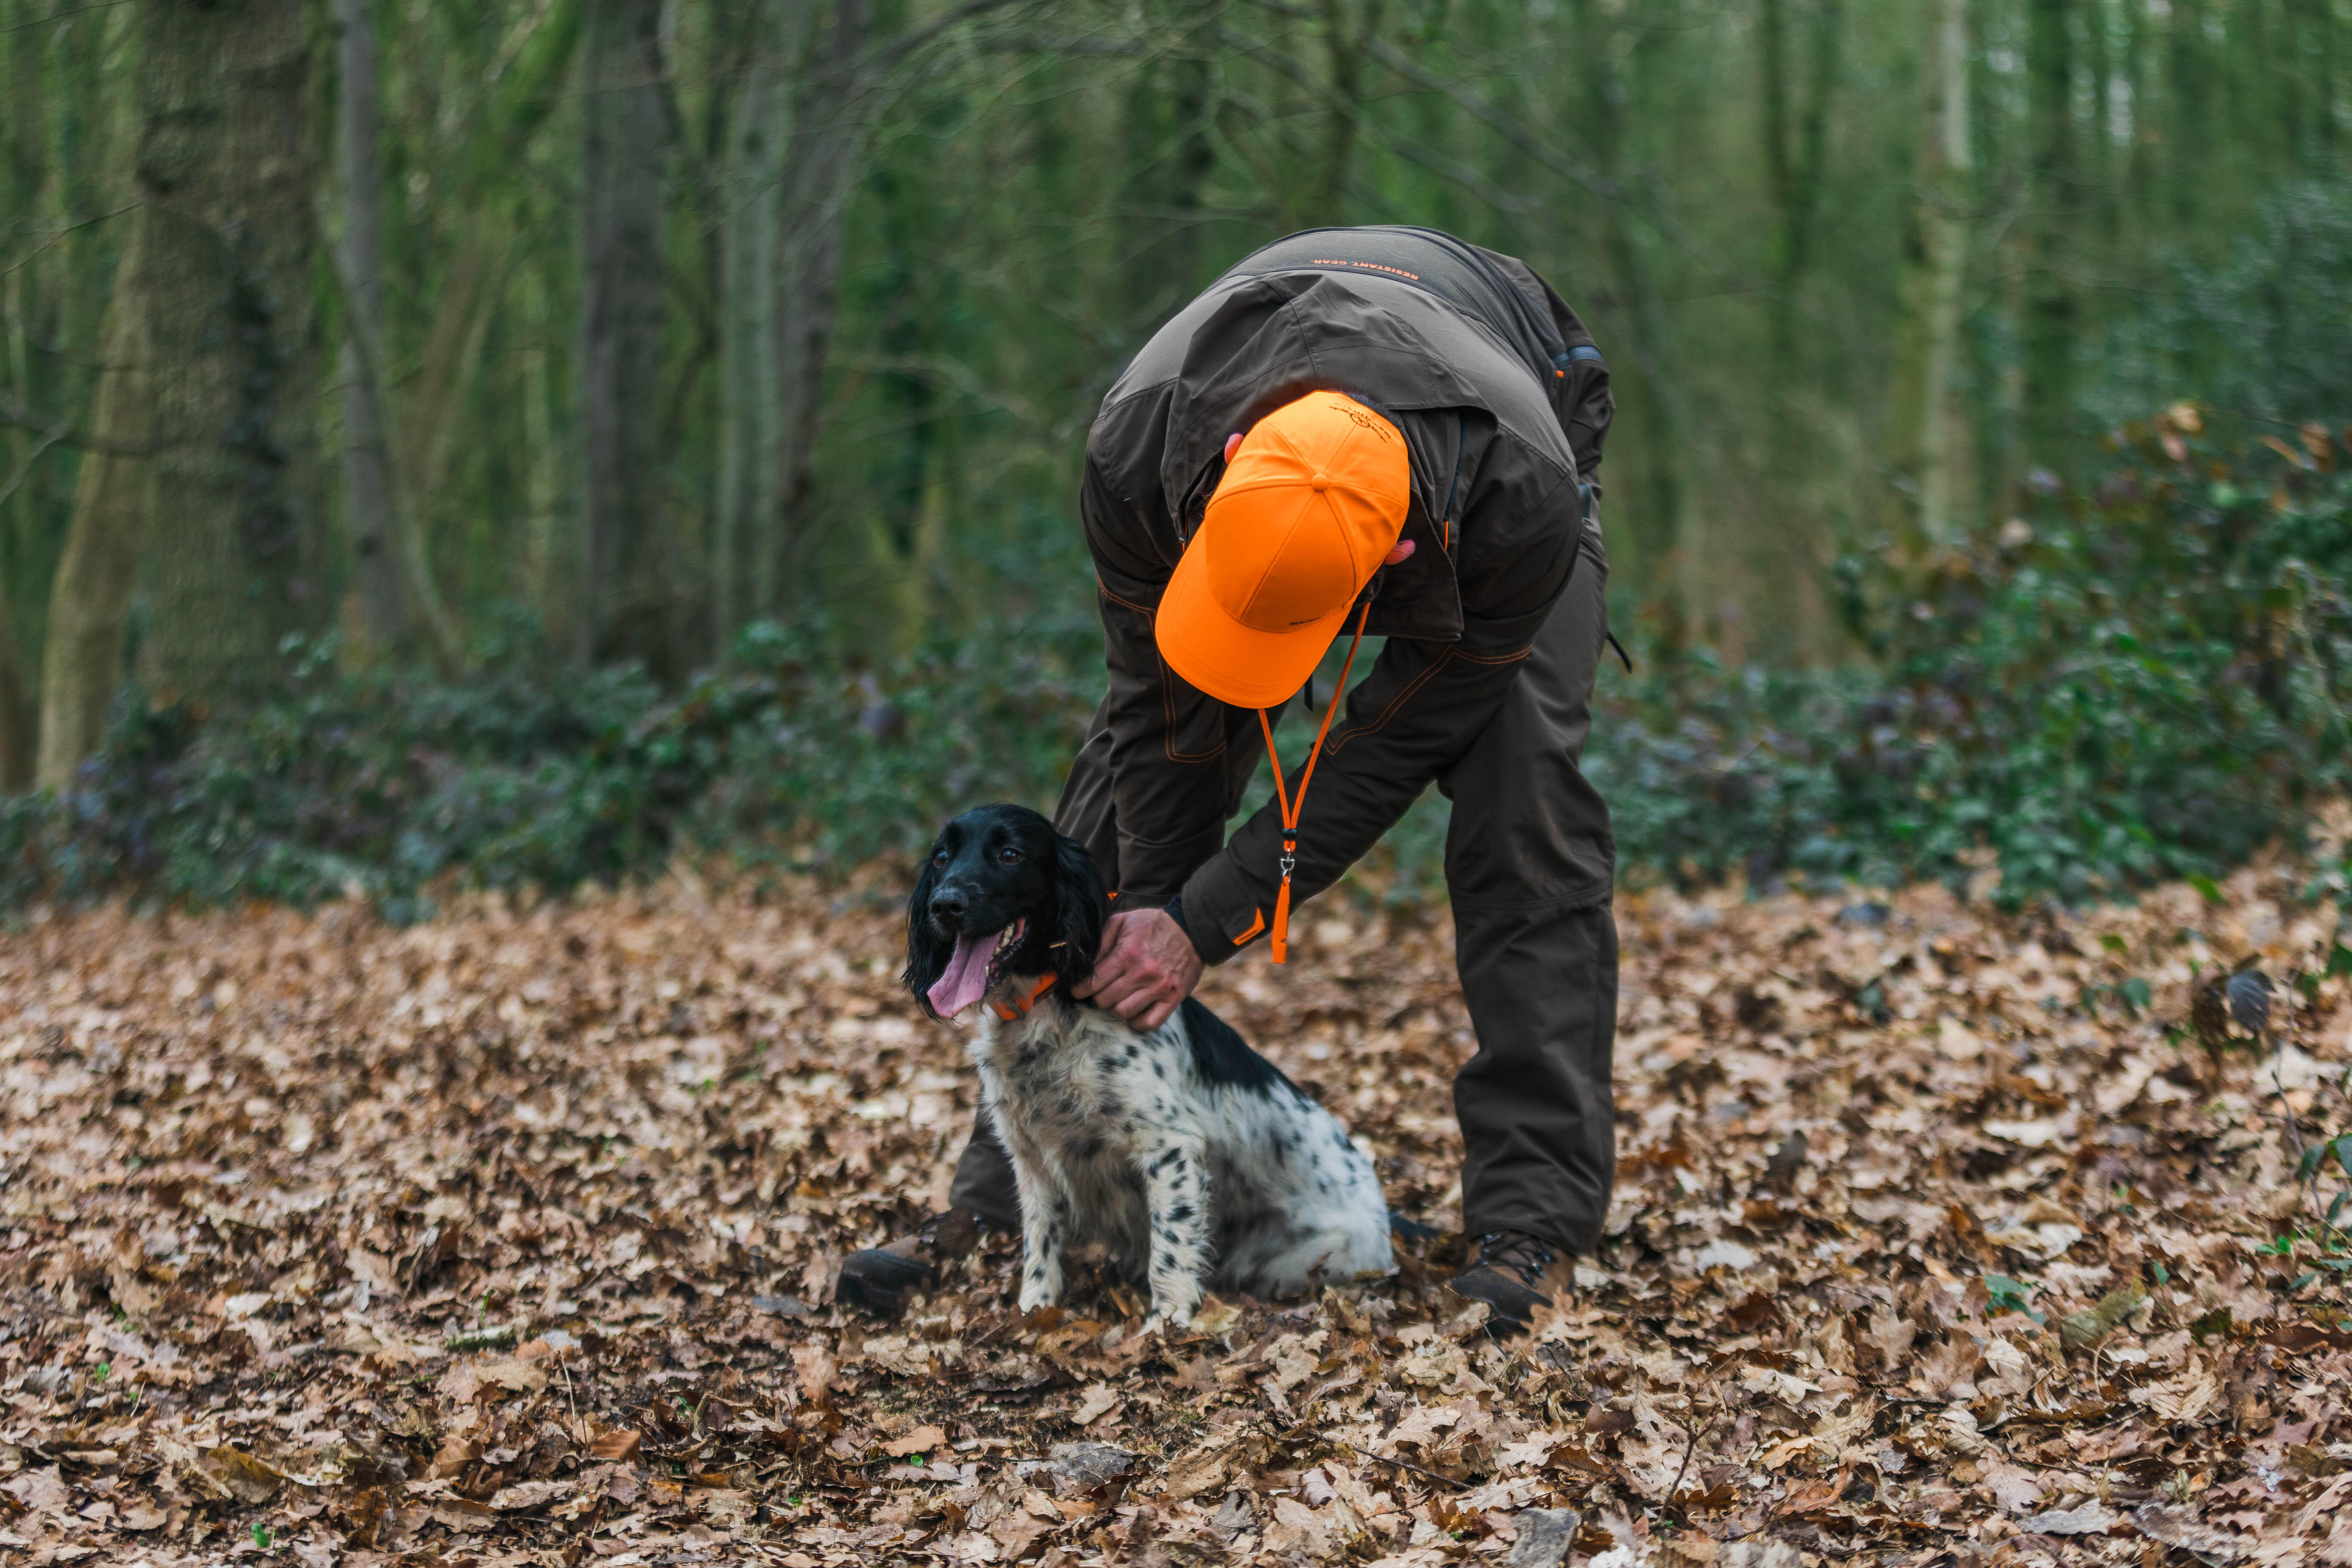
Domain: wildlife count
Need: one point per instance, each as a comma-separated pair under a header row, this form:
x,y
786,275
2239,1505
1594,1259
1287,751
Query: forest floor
x,y
509,1238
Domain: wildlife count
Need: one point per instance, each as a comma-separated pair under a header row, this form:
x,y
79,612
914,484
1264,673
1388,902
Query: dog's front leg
x,y
1176,1192
1046,1218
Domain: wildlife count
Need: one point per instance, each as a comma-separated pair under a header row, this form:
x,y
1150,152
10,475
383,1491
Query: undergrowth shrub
x,y
2145,680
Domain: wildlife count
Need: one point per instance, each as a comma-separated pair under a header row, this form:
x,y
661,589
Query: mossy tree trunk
x,y
1925,438
226,176
2052,303
625,589
89,602
372,521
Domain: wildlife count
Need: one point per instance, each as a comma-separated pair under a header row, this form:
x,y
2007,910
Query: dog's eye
x,y
939,856
1009,856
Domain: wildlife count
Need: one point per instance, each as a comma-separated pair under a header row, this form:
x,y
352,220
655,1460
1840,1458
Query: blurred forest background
x,y
516,439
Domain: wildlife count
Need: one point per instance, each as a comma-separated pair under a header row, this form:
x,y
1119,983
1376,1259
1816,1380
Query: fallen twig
x,y
1405,1464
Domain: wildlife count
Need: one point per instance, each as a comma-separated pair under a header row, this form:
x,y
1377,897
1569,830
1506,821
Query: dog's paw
x,y
1033,1298
1158,1323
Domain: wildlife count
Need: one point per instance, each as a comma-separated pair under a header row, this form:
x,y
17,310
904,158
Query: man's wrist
x,y
1174,909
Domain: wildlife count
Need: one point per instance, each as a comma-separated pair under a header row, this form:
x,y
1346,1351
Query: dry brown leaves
x,y
509,1238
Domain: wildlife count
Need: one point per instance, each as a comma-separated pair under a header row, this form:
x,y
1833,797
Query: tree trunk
x,y
370,515
1653,498
1344,41
1795,143
831,107
1645,438
1779,599
445,371
624,589
2051,312
1935,250
2100,188
89,602
2188,124
1170,103
228,256
31,367
751,484
1192,95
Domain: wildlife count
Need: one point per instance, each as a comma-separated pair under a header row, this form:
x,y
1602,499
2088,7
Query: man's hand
x,y
1146,967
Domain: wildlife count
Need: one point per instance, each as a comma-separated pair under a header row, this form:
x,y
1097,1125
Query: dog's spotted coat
x,y
1180,1150
1187,1154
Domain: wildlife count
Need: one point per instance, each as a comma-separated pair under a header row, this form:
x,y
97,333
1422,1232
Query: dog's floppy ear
x,y
927,956
1081,909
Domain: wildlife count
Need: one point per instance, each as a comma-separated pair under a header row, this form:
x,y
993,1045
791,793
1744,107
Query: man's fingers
x,y
1130,979
1114,963
1138,994
1113,968
1130,996
1151,1003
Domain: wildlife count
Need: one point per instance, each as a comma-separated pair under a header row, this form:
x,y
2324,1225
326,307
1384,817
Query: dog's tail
x,y
1410,1231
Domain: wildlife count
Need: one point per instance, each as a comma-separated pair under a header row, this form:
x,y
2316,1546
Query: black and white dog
x,y
1188,1154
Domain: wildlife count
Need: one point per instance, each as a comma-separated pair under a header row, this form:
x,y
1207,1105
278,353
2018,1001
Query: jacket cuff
x,y
1223,913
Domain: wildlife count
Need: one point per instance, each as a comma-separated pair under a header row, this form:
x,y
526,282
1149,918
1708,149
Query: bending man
x,y
1368,430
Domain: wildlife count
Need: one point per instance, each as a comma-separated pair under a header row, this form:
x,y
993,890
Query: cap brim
x,y
1230,662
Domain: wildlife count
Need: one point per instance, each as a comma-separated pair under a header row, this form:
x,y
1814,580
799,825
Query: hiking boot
x,y
879,1277
1510,1265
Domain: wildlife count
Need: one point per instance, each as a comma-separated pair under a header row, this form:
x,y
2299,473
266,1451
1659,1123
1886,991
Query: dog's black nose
x,y
947,907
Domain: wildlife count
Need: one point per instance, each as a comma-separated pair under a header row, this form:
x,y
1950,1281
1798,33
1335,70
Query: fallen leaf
x,y
525,1495
2080,1331
814,1366
141,1515
42,1490
2180,1399
2180,1527
1082,1467
922,1440
1545,1535
2090,1518
470,1380
1204,1467
614,1445
242,1476
1217,1316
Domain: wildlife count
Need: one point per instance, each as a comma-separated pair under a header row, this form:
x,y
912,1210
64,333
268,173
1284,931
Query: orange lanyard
x,y
1278,941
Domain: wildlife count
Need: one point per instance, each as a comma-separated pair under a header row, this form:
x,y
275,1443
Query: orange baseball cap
x,y
1314,499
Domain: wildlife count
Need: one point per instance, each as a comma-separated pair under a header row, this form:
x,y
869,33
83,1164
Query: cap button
x,y
1320,483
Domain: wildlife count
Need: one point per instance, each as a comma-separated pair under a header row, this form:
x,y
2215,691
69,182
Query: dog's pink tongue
x,y
966,980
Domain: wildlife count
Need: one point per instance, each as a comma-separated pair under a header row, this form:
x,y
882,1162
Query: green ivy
x,y
2147,679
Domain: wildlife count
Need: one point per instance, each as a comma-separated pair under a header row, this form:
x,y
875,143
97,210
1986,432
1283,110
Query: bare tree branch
x,y
907,43
25,469
59,432
61,15
56,234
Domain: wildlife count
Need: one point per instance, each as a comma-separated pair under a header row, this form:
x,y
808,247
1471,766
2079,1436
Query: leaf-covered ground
x,y
1940,1235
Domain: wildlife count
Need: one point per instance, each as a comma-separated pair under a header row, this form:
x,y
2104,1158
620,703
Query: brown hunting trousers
x,y
1529,863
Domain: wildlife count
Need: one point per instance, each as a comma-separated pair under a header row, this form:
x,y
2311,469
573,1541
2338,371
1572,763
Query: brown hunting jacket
x,y
1503,401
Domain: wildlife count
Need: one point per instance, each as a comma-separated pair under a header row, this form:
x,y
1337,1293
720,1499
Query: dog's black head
x,y
1003,894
